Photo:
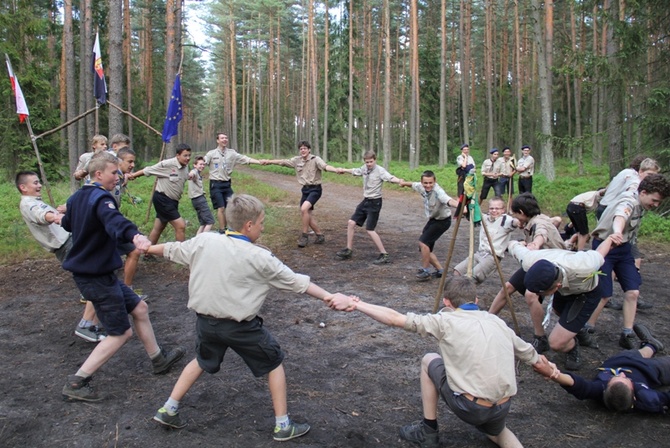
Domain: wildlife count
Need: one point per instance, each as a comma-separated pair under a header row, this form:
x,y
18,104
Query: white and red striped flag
x,y
21,106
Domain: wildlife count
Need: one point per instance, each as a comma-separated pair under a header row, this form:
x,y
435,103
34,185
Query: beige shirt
x,y
626,206
478,351
307,171
195,188
626,180
541,225
527,162
171,177
221,164
506,166
231,277
373,180
51,236
588,200
499,231
435,202
490,167
579,269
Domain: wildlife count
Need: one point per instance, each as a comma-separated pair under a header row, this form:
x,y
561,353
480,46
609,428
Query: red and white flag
x,y
21,106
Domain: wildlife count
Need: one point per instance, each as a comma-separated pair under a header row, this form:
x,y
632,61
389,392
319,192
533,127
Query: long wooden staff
x,y
153,189
39,162
462,203
502,279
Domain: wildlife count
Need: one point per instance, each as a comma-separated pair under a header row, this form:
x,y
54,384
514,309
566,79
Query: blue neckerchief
x,y
469,307
238,235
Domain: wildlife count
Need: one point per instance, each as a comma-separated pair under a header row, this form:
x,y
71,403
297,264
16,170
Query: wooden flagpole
x,y
39,162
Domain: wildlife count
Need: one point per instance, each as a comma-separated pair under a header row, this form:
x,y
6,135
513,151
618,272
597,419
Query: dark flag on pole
x,y
174,114
99,84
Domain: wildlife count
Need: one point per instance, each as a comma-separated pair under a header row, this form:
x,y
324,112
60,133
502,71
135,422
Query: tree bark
x,y
115,66
71,90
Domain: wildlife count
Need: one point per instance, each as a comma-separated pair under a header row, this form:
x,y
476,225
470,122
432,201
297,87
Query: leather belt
x,y
485,403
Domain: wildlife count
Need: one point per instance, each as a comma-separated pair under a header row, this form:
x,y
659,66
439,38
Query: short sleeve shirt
x,y
628,207
51,236
307,171
435,202
221,164
171,177
372,180
529,163
195,188
541,225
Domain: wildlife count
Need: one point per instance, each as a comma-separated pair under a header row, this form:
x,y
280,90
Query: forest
x,y
585,81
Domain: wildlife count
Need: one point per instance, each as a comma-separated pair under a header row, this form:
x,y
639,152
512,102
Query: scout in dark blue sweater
x,y
96,226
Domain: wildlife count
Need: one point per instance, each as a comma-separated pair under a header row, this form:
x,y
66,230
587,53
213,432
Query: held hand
x,y
617,238
544,367
341,302
57,217
339,170
141,242
61,208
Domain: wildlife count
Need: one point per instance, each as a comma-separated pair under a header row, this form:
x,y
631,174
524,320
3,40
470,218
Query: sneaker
x,y
540,343
320,239
344,254
382,259
616,306
290,432
139,292
173,421
587,338
646,337
642,305
78,389
82,299
302,241
572,359
420,434
627,341
423,275
436,274
91,334
162,363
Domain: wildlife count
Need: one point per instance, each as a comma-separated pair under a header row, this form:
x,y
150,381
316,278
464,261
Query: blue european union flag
x,y
174,113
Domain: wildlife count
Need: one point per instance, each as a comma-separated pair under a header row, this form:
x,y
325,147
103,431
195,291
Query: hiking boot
x,y
423,275
421,434
382,259
436,274
290,432
162,363
572,359
344,254
173,421
78,389
646,337
627,341
320,239
616,306
642,305
91,334
540,343
587,338
303,240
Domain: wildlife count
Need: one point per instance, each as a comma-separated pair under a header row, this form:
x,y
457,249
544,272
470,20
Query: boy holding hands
x,y
230,280
197,194
96,225
369,209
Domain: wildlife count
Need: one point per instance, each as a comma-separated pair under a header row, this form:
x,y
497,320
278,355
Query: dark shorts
x,y
563,304
220,191
113,301
620,260
490,421
487,185
433,230
249,339
367,212
311,194
577,215
525,184
600,210
125,248
167,209
205,217
62,252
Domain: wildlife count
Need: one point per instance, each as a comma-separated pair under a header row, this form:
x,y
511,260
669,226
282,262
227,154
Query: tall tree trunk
x,y
232,132
576,88
350,123
115,66
147,69
415,136
170,58
546,150
464,55
85,76
127,34
443,153
278,89
488,72
386,128
326,79
71,90
313,75
614,94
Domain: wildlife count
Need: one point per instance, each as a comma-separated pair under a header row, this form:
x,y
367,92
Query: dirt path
x,y
354,380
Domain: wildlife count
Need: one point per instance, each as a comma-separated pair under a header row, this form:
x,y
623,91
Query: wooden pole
x,y
135,118
440,289
39,162
153,189
502,279
67,123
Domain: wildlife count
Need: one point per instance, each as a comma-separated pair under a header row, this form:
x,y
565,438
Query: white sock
x,y
282,422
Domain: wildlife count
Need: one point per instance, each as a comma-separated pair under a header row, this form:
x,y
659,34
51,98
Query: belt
x,y
485,403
